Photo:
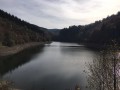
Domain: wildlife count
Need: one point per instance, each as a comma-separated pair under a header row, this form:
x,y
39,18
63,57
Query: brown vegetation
x,y
105,71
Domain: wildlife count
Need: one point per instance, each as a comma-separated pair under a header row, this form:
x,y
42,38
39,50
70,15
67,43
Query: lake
x,y
55,66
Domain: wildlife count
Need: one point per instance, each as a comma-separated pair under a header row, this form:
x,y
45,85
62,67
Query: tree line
x,y
102,31
15,31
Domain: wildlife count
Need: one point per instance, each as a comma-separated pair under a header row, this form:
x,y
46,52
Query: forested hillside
x,y
15,31
98,32
54,34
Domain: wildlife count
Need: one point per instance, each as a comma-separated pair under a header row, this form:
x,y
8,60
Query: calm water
x,y
55,66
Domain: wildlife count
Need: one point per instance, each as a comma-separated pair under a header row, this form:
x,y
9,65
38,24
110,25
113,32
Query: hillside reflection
x,y
12,62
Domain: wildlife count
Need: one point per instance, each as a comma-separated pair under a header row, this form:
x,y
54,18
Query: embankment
x,y
5,51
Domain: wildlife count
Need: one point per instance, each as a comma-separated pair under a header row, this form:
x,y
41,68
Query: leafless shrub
x,y
104,72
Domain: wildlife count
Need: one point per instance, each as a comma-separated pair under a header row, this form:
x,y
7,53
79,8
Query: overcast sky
x,y
60,13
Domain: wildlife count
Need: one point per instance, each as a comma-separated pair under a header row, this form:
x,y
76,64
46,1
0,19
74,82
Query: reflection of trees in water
x,y
9,63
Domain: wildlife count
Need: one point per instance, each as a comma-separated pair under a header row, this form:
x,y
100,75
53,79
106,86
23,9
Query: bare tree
x,y
105,70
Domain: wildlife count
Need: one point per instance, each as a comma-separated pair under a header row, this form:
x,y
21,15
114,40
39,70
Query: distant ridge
x,y
99,32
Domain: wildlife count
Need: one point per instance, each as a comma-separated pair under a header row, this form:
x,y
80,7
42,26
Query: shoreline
x,y
95,46
5,51
90,45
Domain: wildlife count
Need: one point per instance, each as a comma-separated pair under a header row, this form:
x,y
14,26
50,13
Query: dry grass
x,y
5,85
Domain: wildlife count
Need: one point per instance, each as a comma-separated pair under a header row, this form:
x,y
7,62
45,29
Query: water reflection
x,y
9,63
56,67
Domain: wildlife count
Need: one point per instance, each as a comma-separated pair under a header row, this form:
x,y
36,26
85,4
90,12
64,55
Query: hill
x,y
99,32
54,34
14,31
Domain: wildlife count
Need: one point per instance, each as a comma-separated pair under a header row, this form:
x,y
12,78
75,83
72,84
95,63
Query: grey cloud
x,y
56,1
81,1
26,9
53,0
53,13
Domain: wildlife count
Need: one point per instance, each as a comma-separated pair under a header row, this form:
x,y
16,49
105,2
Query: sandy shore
x,y
4,51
